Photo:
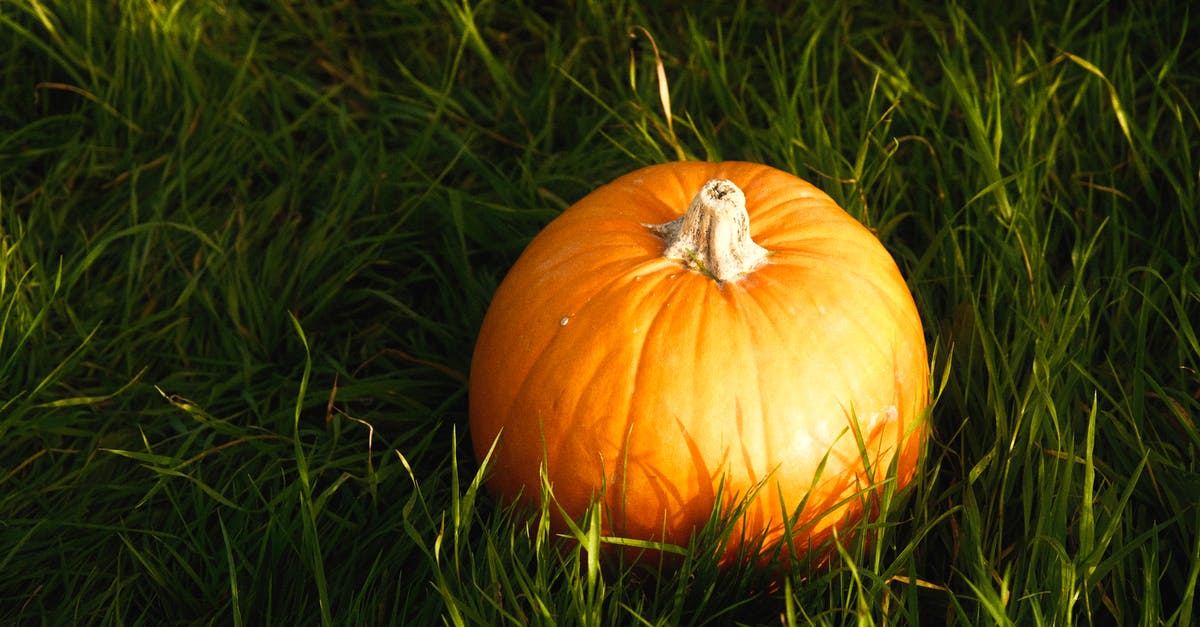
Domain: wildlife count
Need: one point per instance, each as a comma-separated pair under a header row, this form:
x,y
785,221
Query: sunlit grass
x,y
245,250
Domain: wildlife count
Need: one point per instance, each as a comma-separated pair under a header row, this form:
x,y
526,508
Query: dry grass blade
x,y
664,89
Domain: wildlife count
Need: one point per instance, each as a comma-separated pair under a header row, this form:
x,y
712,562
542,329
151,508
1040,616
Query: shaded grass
x,y
244,251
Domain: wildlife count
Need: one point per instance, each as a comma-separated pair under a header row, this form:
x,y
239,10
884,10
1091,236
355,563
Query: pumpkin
x,y
700,332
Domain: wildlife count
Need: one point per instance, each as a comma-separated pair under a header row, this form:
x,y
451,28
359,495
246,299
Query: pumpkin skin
x,y
654,389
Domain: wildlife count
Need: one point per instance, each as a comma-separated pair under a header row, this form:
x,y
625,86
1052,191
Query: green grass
x,y
245,249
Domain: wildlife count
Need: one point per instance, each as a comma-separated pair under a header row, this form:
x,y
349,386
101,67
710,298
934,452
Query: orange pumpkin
x,y
650,361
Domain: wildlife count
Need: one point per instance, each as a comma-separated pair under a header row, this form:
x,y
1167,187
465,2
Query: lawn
x,y
246,248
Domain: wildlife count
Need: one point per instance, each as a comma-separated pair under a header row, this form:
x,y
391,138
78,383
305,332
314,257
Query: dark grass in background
x,y
245,248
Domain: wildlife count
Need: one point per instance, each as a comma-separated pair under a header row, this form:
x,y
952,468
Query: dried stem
x,y
713,236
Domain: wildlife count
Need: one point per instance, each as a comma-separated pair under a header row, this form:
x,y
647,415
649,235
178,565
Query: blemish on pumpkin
x,y
564,321
888,415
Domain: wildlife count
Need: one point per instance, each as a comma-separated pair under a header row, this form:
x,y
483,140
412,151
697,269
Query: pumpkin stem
x,y
713,236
